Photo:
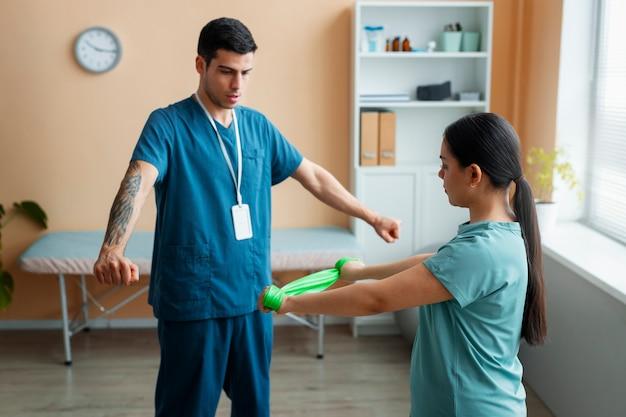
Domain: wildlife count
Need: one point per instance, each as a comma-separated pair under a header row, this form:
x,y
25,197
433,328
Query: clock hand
x,y
98,48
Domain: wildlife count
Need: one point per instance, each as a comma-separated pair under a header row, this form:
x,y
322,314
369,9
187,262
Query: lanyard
x,y
236,180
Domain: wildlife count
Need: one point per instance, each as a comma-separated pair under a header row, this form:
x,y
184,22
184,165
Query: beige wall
x,y
66,136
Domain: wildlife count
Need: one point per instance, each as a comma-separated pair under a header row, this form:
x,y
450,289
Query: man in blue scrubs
x,y
212,164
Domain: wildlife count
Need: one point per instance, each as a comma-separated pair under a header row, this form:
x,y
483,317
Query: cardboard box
x,y
387,138
369,138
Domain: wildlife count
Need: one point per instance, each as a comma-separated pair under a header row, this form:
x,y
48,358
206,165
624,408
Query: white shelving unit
x,y
424,104
417,55
411,190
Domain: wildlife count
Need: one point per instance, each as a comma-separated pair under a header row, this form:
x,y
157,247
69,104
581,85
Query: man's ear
x,y
475,175
200,65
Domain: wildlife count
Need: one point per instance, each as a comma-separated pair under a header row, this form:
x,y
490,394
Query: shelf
x,y
423,104
424,4
404,168
418,55
390,169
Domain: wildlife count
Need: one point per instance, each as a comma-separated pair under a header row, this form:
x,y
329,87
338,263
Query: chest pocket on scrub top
x,y
254,178
253,173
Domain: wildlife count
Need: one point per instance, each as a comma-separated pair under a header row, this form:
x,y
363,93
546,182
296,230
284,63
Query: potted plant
x,y
32,211
544,165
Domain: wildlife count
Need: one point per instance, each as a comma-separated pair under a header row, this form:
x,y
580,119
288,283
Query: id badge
x,y
242,222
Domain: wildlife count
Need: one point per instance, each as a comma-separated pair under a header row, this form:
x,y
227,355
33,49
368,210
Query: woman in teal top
x,y
480,293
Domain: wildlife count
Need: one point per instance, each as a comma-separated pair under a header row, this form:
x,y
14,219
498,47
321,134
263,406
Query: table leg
x,y
320,336
85,306
66,324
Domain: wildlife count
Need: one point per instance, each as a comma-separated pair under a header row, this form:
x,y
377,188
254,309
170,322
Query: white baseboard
x,y
376,325
96,324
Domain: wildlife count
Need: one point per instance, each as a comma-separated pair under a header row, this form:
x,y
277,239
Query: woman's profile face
x,y
453,176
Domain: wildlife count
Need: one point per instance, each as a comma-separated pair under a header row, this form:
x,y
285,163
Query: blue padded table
x,y
74,254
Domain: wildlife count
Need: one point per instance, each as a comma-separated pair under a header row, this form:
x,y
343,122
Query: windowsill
x,y
593,256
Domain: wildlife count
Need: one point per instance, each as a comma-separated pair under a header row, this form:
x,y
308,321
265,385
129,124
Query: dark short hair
x,y
224,33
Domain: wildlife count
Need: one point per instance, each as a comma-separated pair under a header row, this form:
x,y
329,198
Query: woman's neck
x,y
494,207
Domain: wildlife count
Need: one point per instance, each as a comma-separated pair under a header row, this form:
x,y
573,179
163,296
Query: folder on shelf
x,y
373,98
369,138
387,138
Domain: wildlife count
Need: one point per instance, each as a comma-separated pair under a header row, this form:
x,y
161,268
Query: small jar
x,y
406,45
395,45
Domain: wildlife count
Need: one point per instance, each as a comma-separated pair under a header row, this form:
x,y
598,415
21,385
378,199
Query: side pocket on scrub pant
x,y
186,272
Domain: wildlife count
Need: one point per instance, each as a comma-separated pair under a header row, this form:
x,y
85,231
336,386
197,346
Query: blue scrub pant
x,y
200,358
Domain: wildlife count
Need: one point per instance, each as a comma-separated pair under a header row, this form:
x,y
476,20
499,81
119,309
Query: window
x,y
606,195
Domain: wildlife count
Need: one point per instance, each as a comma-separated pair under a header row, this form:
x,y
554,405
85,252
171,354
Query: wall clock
x,y
97,49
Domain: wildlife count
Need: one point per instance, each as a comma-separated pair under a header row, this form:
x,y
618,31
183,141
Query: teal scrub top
x,y
464,361
199,269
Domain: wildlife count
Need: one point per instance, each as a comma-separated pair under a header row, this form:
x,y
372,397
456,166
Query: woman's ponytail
x,y
534,323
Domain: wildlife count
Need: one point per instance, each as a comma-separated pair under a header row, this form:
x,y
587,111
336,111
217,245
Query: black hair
x,y
224,33
489,141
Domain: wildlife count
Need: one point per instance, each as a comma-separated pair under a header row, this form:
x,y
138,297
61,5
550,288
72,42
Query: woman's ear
x,y
475,175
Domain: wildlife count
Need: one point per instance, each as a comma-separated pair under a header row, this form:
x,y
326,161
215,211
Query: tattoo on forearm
x,y
123,205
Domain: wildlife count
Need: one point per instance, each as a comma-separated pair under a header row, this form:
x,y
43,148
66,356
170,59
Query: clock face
x,y
97,49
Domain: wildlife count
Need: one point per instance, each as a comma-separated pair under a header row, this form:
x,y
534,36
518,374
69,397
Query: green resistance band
x,y
313,283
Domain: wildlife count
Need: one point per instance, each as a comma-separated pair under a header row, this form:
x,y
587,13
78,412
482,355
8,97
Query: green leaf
x,y
6,289
1,211
33,211
545,165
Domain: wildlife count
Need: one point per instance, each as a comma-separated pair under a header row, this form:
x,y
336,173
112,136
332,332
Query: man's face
x,y
226,78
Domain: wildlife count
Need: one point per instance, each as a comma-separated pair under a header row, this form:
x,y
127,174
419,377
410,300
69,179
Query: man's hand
x,y
388,229
114,268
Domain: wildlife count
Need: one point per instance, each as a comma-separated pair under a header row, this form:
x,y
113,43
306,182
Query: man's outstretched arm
x,y
112,267
327,189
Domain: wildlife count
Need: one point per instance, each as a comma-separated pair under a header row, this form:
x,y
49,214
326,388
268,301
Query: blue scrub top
x,y
464,360
199,269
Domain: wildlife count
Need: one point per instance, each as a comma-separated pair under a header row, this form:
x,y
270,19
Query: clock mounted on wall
x,y
97,49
